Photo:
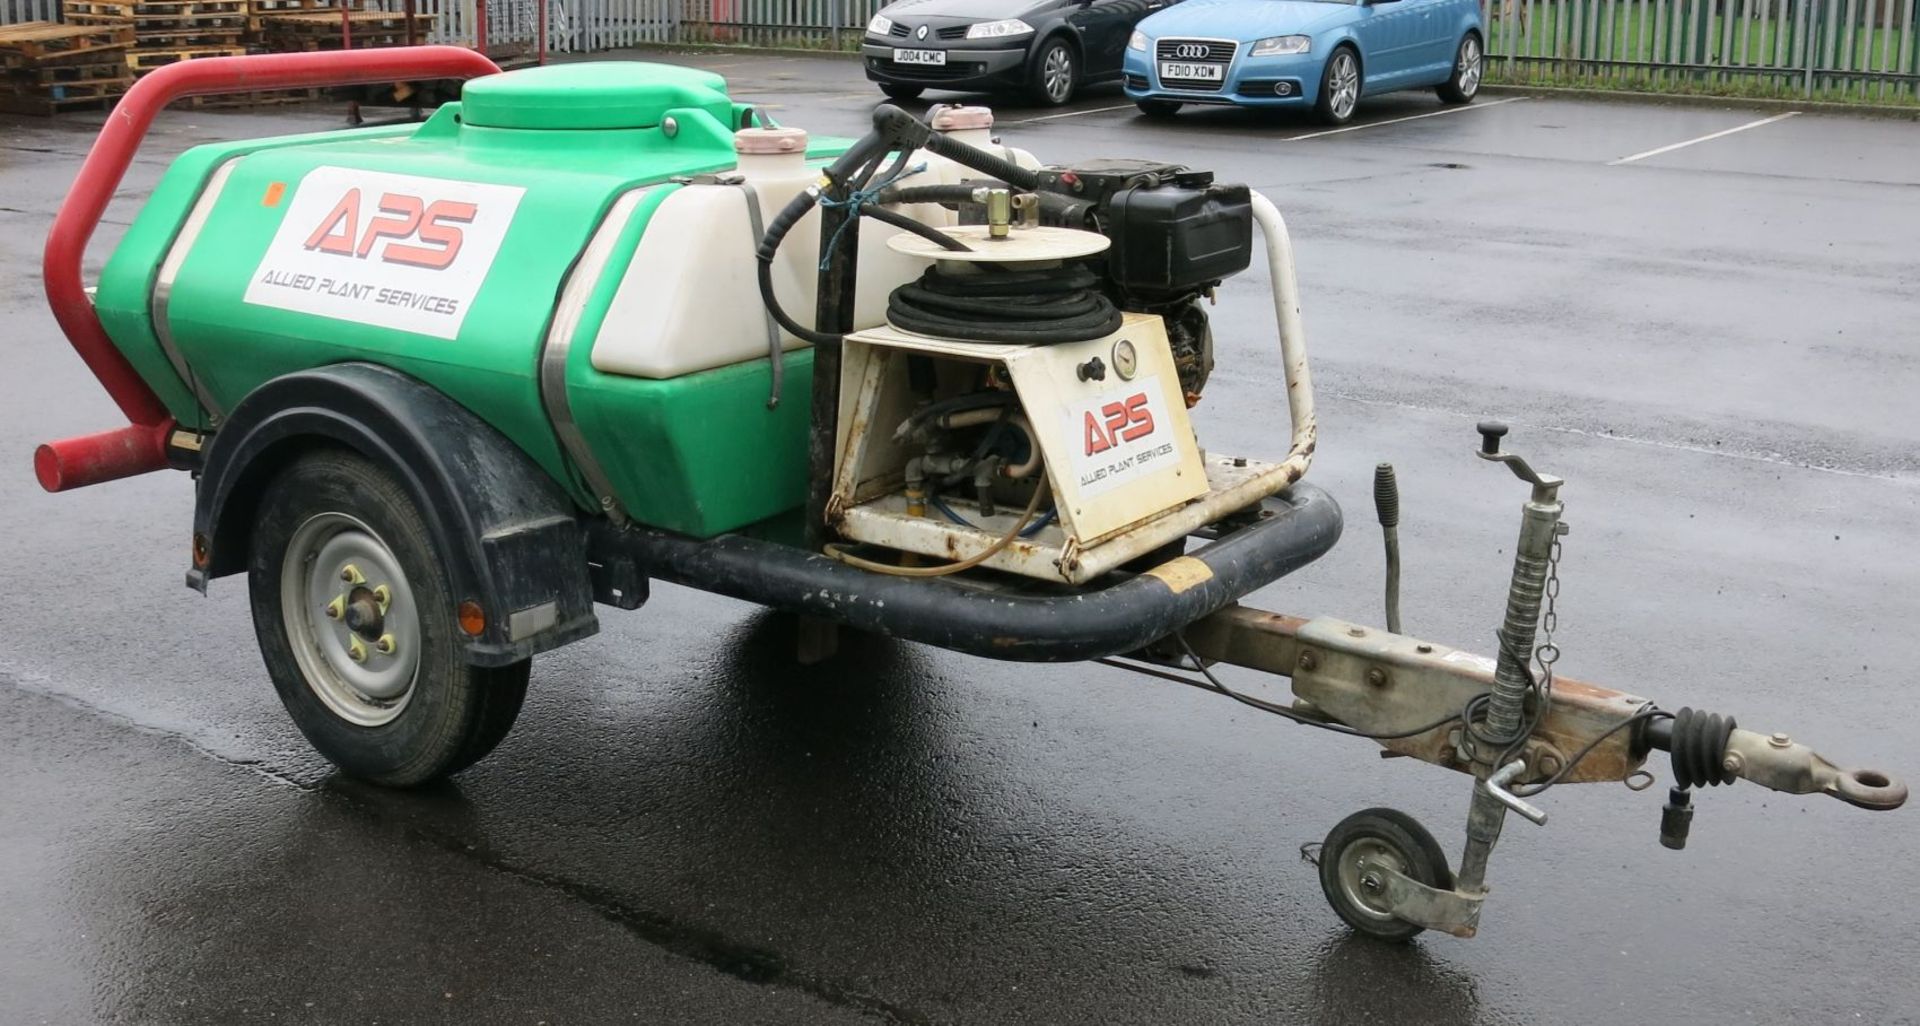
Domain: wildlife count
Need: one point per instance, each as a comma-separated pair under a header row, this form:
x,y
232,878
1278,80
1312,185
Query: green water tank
x,y
442,249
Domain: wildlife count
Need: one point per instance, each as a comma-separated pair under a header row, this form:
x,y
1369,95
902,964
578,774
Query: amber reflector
x,y
472,619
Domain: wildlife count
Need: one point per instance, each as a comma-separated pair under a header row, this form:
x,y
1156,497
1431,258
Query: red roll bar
x,y
141,446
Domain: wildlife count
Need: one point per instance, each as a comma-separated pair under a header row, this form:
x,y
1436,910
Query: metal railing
x,y
821,24
1817,49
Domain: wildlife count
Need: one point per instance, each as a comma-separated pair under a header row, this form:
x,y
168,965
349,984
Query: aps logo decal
x,y
395,251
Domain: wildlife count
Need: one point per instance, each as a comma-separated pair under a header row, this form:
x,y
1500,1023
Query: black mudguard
x,y
509,536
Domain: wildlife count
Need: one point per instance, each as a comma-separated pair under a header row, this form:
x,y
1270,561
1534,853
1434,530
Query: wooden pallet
x,y
188,38
115,67
42,106
95,88
143,61
219,18
291,6
259,98
82,11
320,30
328,22
44,42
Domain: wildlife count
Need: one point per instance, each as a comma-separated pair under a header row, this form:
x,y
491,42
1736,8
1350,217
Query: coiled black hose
x,y
1063,305
893,129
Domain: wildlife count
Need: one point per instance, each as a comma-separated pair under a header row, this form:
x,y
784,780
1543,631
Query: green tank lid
x,y
599,94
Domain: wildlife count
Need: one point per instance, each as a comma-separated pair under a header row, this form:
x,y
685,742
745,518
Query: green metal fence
x,y
1820,49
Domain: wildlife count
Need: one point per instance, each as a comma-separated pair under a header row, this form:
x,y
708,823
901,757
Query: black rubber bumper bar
x,y
1056,625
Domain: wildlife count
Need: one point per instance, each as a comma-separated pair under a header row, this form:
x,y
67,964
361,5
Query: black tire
x,y
449,714
1158,108
902,93
1469,64
1055,75
1332,109
1386,833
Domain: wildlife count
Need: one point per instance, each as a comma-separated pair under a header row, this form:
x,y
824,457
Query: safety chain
x,y
1548,653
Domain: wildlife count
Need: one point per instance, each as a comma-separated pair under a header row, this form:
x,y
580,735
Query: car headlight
x,y
1281,44
998,29
1138,41
880,25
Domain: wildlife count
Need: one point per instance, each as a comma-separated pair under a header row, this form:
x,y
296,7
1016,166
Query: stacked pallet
x,y
169,31
296,25
106,44
51,67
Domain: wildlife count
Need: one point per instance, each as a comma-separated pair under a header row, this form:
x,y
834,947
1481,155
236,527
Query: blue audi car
x,y
1319,54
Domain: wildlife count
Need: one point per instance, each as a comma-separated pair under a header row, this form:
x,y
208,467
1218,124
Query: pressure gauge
x,y
1125,360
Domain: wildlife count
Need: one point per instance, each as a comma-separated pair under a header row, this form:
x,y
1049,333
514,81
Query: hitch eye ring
x,y
1869,789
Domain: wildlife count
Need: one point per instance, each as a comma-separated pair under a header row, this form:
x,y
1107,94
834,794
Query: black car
x,y
1045,48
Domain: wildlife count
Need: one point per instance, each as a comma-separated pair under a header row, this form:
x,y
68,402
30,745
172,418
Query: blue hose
x,y
1026,532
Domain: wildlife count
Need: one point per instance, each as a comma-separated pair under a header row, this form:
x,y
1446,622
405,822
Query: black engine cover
x,y
1174,231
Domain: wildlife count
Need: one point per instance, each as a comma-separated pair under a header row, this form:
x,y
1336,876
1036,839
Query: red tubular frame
x,y
141,446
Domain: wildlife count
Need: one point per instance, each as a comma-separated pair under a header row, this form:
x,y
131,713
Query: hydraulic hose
x,y
893,129
1041,307
1040,493
925,231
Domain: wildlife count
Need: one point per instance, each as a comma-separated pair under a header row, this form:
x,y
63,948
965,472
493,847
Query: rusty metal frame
x,y
1380,683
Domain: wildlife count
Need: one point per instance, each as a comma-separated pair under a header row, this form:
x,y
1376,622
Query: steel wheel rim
x,y
1468,67
1056,73
1346,85
1356,879
342,592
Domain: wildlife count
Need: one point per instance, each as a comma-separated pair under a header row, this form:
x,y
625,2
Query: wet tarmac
x,y
1718,346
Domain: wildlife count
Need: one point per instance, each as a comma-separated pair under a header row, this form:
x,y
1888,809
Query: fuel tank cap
x,y
592,95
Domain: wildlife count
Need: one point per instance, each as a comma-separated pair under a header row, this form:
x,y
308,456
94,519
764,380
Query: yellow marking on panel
x,y
1181,573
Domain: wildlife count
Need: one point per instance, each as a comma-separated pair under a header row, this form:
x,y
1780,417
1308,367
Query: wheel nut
x,y
385,644
383,597
1733,763
1780,741
1308,661
337,608
356,650
1377,677
1372,883
352,575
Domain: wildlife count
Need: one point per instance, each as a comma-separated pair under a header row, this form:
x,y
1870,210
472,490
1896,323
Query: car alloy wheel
x,y
1056,74
1467,67
1345,83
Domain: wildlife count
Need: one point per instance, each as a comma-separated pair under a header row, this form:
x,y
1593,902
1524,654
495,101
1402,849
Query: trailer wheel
x,y
1374,836
356,622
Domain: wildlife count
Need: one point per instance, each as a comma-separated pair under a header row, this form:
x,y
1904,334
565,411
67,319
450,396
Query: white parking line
x,y
1704,138
1069,114
1410,117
